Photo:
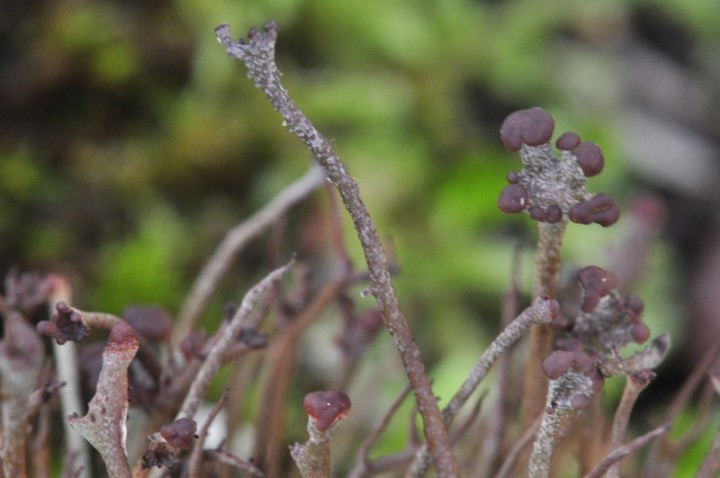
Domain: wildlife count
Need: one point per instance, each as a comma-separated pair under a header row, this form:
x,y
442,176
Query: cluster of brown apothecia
x,y
550,188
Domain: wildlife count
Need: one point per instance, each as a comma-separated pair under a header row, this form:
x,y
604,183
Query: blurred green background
x,y
129,142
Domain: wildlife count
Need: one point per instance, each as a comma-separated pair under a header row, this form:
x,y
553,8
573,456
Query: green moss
x,y
143,268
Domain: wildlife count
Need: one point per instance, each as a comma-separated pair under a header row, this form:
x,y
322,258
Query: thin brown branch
x,y
467,422
281,365
621,452
197,451
634,385
363,463
234,242
704,408
542,311
692,382
516,451
212,363
21,361
657,460
40,449
258,56
547,270
228,458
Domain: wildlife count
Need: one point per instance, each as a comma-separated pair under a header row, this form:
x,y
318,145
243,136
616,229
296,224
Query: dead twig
x,y
234,242
621,452
214,359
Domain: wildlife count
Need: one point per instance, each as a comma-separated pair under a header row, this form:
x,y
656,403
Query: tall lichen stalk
x,y
551,190
548,258
258,55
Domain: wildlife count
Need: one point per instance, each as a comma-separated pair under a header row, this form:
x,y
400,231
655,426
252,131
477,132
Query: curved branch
x,y
233,243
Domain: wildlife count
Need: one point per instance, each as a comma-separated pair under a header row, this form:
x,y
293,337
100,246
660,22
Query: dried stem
x,y
313,456
224,456
281,365
540,312
548,258
363,464
704,408
633,387
646,359
559,414
98,320
657,461
621,452
214,359
21,360
520,444
197,451
234,242
547,270
258,55
104,425
67,372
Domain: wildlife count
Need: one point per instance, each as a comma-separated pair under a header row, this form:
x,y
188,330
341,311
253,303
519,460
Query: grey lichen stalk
x,y
257,53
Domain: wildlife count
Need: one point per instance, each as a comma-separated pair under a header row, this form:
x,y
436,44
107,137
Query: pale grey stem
x,y
194,461
646,359
621,452
224,456
234,242
21,362
313,457
541,311
214,359
544,447
258,55
67,372
635,384
559,413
